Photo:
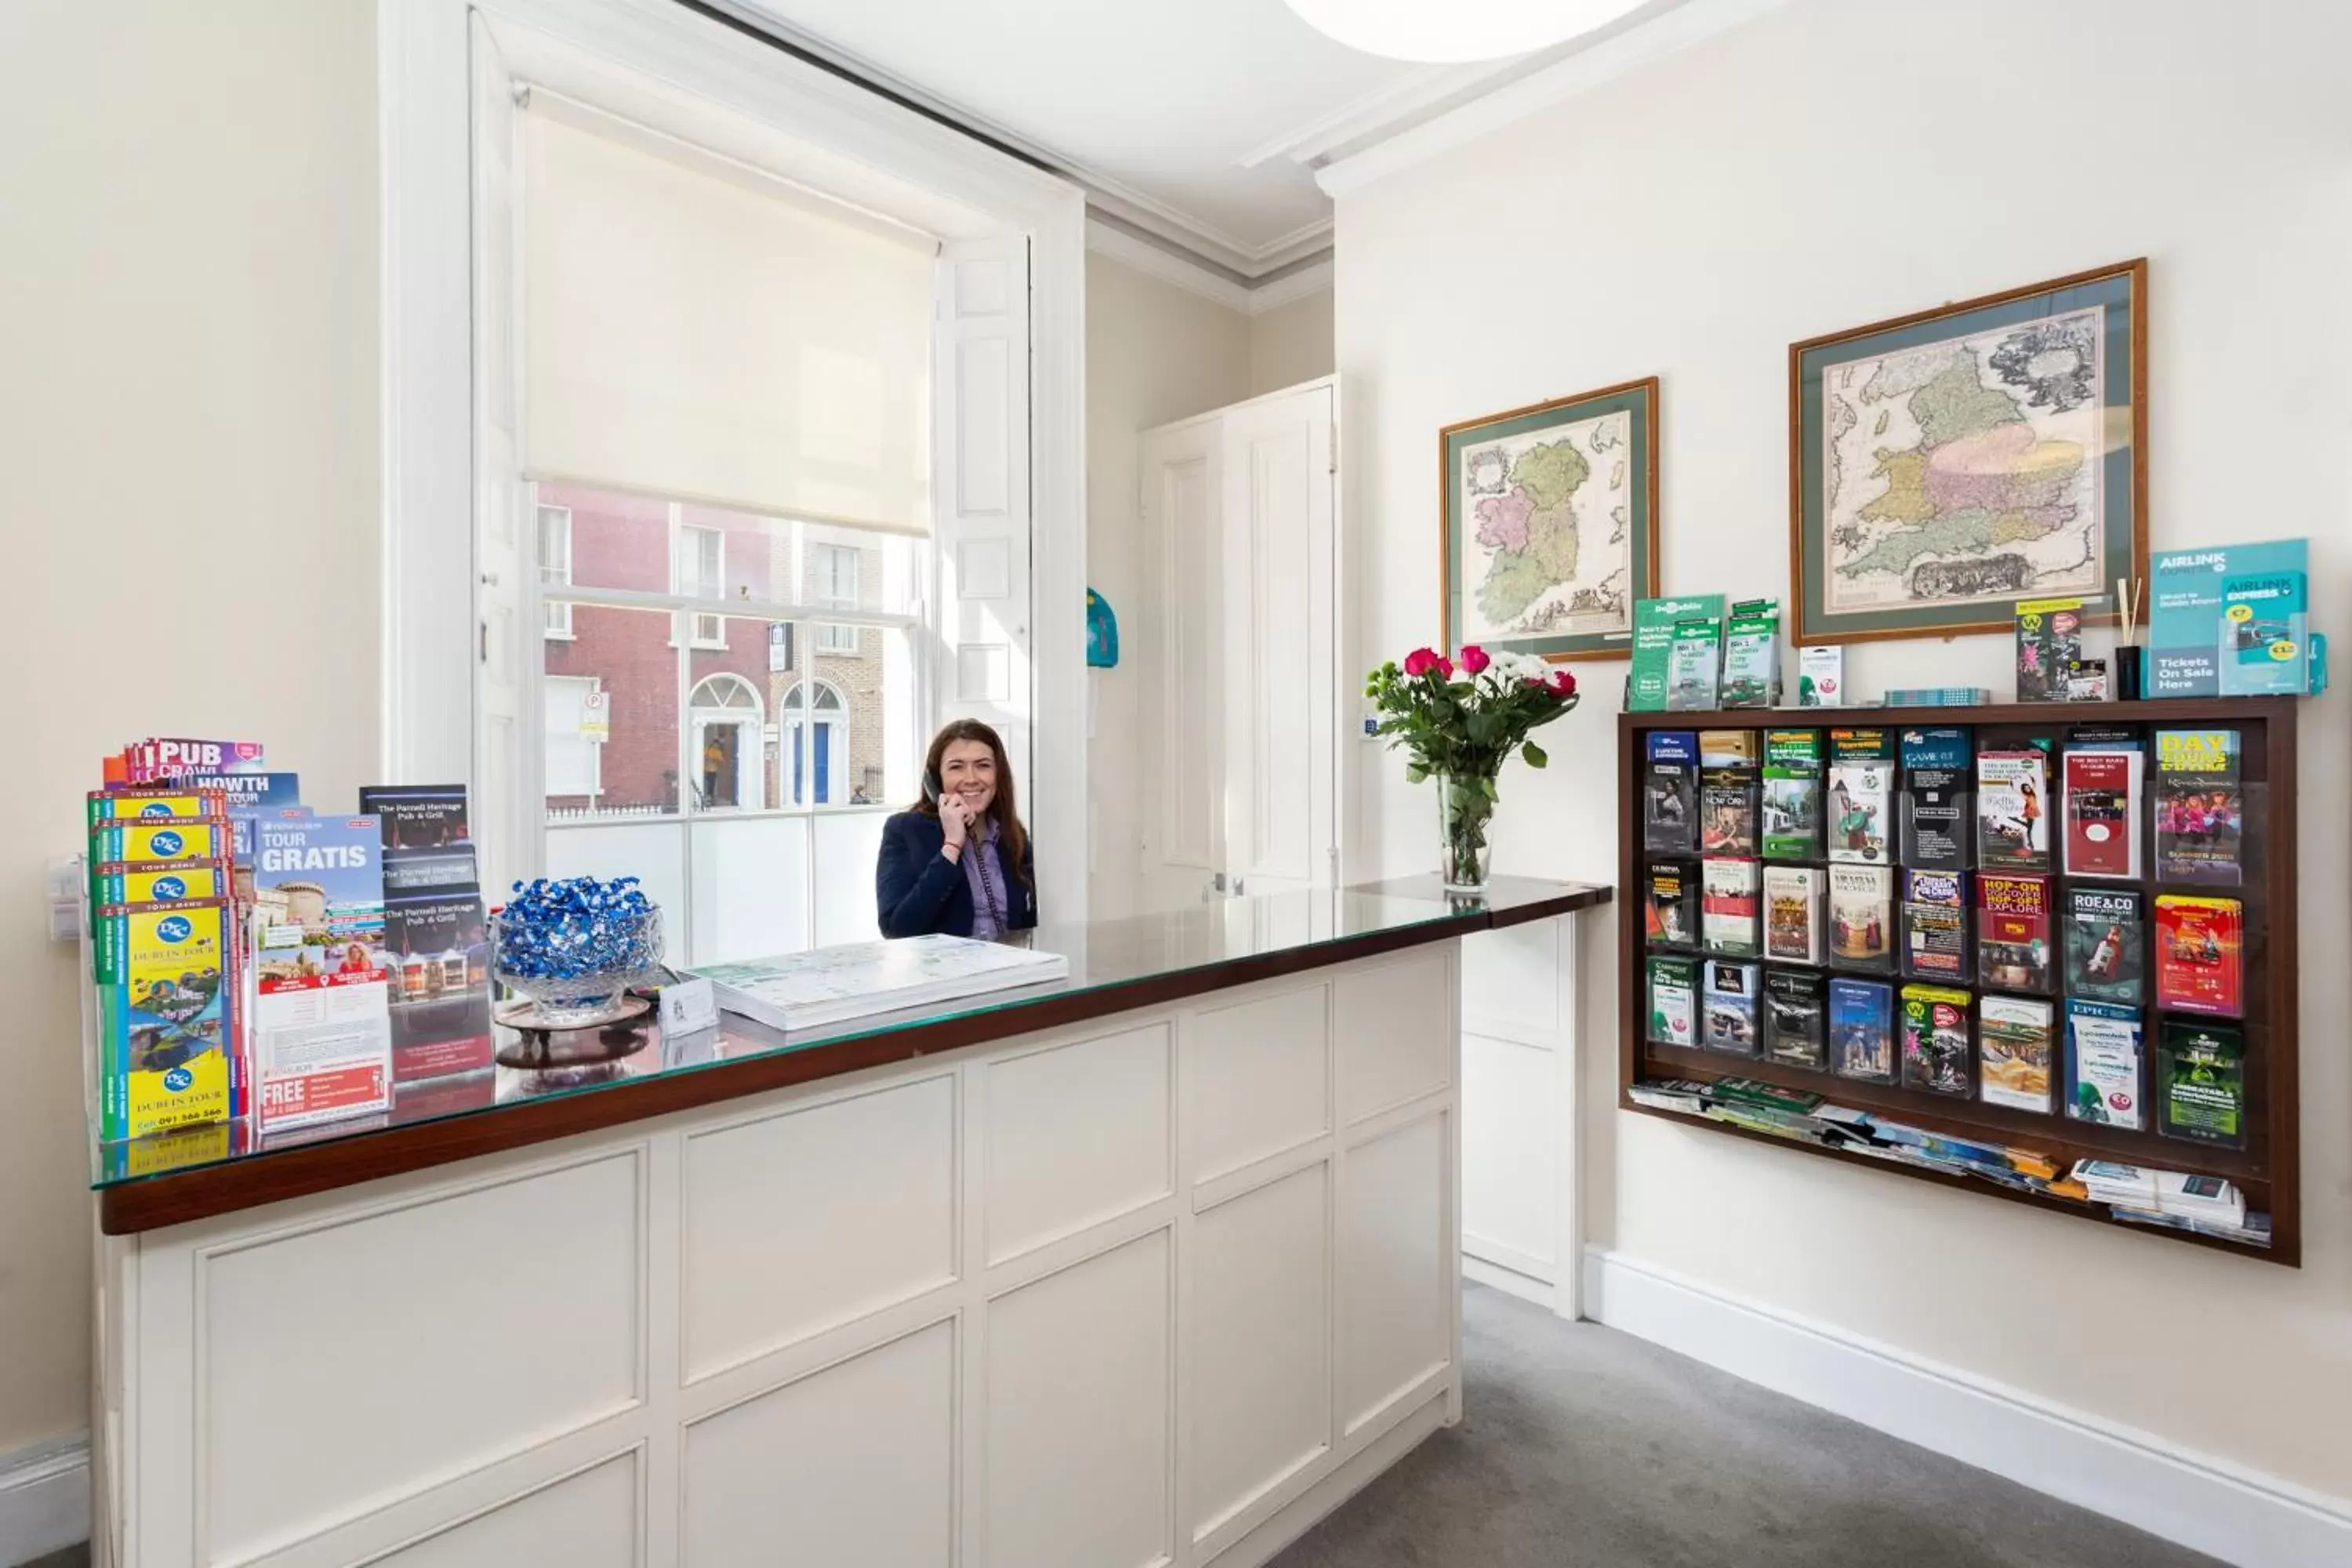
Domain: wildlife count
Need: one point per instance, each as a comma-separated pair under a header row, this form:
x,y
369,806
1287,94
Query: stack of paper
x,y
835,984
2207,1200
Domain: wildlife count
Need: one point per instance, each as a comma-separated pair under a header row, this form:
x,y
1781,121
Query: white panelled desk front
x,y
1161,1287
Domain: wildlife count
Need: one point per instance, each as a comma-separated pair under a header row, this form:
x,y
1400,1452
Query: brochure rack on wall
x,y
2156,819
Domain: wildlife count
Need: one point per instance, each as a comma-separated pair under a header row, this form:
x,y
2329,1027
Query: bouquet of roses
x,y
1457,720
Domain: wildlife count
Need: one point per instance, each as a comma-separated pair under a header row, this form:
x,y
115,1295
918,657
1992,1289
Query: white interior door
x,y
1183,838
1278,614
1240,511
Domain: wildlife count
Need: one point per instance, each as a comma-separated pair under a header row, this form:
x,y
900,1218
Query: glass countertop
x,y
1244,938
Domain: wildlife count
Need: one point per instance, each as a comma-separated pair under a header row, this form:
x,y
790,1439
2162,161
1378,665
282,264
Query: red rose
x,y
1563,683
1444,667
1473,658
1420,661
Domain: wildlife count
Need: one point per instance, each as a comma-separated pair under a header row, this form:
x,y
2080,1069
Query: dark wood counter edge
x,y
1520,914
176,1197
1570,898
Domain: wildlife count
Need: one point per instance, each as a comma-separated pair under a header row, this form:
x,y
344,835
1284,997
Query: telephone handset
x,y
933,787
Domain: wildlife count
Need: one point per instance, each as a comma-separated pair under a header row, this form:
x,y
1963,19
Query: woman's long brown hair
x,y
1003,808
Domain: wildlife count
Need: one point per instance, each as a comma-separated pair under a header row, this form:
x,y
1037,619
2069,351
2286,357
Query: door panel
x,y
1281,703
1184,834
981,446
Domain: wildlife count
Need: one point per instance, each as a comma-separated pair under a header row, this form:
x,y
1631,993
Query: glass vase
x,y
1466,806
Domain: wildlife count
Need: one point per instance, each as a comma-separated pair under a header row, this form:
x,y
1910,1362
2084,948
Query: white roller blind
x,y
698,332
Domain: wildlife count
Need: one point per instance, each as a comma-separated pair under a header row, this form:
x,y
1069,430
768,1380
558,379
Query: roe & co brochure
x,y
322,1023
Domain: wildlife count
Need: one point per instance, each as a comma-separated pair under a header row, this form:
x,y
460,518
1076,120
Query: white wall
x,y
1291,344
188,479
1833,163
1155,354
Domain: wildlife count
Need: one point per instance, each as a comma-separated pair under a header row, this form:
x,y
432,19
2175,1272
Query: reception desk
x,y
1155,1264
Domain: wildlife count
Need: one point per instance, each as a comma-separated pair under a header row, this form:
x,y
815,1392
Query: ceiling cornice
x,y
1649,37
1146,254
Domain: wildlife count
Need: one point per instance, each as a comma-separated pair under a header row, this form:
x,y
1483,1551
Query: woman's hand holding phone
x,y
955,823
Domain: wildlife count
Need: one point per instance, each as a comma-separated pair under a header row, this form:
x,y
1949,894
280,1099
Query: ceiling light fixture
x,y
1449,32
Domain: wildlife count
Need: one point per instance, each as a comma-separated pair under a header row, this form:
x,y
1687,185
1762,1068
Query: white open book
x,y
833,985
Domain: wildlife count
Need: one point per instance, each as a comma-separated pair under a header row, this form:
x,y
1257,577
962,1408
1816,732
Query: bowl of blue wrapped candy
x,y
571,948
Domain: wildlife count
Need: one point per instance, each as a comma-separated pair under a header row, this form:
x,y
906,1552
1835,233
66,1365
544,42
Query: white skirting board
x,y
2204,1503
44,1499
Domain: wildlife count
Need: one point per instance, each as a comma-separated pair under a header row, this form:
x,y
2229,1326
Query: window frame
x,y
715,638
838,637
803,618
446,709
548,686
555,614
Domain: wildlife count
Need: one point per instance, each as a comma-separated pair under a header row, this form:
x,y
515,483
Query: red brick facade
x,y
624,541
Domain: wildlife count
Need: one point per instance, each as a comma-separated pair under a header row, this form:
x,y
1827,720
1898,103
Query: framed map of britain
x,y
1944,466
1552,523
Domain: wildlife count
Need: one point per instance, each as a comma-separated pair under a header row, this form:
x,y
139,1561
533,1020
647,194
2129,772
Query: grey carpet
x,y
1582,1448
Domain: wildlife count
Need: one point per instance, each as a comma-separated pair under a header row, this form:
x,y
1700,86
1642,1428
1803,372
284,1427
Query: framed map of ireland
x,y
1552,523
1946,465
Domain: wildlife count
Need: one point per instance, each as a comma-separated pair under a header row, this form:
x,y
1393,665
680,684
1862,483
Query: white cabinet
x,y
1162,1287
1520,1228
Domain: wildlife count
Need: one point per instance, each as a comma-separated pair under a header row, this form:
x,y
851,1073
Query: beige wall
x,y
1155,354
1291,344
188,473
1828,165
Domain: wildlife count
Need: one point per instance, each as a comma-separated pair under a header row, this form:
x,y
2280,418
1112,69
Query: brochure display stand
x,y
2045,952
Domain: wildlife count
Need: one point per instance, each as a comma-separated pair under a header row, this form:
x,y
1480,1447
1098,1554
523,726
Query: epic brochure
x,y
2102,1064
1653,637
322,1030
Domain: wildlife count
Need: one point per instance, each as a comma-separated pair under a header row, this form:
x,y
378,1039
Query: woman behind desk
x,y
959,863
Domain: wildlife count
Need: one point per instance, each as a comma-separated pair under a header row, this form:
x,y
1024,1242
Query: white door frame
x,y
637,52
